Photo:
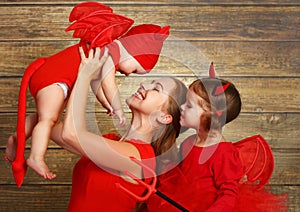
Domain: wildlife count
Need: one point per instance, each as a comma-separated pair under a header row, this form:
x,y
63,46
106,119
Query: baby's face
x,y
129,66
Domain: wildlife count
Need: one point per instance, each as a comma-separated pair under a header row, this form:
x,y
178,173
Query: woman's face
x,y
153,96
191,111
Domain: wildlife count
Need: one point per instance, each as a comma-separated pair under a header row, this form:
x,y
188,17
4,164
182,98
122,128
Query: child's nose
x,y
182,107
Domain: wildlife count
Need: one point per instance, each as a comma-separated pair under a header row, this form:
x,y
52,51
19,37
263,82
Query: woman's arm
x,y
104,152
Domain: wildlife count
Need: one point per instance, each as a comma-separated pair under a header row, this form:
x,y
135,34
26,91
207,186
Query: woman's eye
x,y
156,89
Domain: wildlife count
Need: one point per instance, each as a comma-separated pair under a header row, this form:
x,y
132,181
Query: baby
x,y
51,79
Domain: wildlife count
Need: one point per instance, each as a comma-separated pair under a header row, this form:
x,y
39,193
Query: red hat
x,y
144,42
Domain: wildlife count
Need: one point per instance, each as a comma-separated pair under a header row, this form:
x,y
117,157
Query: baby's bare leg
x,y
10,152
50,104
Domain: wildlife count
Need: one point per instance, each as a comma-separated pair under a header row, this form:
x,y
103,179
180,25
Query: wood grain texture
x,y
189,22
258,94
281,130
37,198
61,162
41,198
168,2
254,44
242,58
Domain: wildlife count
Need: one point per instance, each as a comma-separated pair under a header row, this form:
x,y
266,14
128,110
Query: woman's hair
x,y
219,109
166,141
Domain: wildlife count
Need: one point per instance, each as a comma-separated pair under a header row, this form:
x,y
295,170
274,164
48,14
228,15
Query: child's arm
x,y
228,171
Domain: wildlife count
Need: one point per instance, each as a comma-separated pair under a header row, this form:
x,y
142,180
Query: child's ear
x,y
165,118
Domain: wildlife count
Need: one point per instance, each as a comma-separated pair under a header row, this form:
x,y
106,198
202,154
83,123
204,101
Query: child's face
x,y
129,66
191,111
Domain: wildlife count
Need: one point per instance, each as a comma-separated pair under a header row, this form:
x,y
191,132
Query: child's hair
x,y
220,108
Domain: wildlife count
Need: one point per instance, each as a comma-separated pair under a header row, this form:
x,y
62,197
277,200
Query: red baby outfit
x,y
94,189
61,67
95,24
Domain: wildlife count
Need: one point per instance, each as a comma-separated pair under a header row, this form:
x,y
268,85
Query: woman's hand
x,y
91,66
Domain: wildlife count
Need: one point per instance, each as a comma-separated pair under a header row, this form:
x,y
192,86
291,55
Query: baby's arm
x,y
98,91
111,92
107,92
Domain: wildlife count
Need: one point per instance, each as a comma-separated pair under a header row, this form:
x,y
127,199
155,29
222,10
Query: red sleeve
x,y
228,171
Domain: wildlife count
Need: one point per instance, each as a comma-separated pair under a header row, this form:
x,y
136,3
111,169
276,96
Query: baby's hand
x,y
91,66
119,113
107,106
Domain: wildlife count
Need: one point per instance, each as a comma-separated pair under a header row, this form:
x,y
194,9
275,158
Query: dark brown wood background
x,y
255,44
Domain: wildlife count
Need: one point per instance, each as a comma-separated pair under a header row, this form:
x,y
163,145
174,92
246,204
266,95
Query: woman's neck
x,y
140,129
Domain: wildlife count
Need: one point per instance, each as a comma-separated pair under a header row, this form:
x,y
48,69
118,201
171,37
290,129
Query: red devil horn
x,y
221,89
212,73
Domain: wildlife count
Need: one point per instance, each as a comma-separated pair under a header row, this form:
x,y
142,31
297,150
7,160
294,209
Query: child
x,y
211,175
51,79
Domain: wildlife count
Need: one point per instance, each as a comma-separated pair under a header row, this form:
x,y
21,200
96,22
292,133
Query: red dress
x,y
94,189
206,180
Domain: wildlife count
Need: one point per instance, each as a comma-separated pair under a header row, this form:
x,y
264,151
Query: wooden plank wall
x,y
255,44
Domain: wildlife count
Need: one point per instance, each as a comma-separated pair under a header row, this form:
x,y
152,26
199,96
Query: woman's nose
x,y
144,85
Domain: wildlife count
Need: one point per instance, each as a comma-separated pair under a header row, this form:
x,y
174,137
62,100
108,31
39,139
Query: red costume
x,y
96,25
94,189
214,185
200,186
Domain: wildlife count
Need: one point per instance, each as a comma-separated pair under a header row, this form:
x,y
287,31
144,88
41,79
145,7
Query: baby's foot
x,y
40,167
10,151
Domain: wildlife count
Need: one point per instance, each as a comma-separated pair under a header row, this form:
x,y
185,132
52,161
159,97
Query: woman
x,y
154,127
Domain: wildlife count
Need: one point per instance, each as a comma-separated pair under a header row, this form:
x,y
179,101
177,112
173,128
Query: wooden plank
x,y
180,57
189,22
172,2
61,162
286,168
281,130
293,193
258,94
37,198
56,198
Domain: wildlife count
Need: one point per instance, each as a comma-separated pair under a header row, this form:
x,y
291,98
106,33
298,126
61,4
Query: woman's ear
x,y
165,118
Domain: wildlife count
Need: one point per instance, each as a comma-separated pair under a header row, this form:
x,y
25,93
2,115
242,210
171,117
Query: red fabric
x,y
94,189
114,51
85,8
257,159
210,186
213,186
263,200
19,165
144,42
96,24
61,67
